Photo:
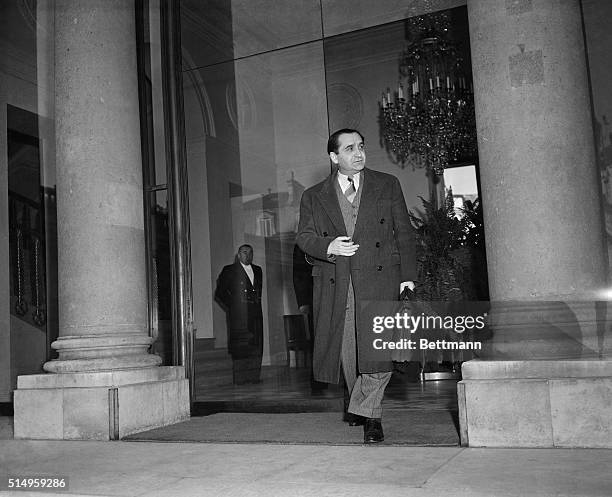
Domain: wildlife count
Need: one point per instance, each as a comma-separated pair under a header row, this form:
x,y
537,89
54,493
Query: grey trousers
x,y
366,390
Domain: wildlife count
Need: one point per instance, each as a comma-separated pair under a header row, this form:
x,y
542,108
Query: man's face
x,y
350,157
245,255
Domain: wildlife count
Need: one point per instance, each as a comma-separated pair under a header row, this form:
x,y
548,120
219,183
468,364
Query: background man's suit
x,y
386,257
242,300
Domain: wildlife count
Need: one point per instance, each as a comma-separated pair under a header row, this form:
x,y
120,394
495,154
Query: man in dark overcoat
x,y
355,228
239,291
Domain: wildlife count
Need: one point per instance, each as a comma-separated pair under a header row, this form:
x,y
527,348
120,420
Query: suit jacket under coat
x,y
386,257
242,301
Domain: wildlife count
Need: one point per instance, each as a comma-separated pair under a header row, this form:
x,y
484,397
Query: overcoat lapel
x,y
367,205
329,200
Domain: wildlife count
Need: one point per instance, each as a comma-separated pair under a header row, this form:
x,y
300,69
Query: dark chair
x,y
296,337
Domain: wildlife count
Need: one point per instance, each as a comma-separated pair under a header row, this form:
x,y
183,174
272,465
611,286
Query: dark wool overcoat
x,y
386,257
242,302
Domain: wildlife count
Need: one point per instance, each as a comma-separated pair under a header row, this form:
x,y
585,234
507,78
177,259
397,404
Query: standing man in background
x,y
355,228
239,290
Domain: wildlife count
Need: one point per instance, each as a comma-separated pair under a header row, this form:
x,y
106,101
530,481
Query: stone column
x,y
101,266
544,232
540,184
105,384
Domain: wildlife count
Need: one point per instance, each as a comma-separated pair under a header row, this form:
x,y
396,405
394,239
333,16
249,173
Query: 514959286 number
x,y
19,482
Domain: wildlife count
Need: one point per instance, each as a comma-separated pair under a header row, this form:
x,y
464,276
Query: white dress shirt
x,y
249,271
345,183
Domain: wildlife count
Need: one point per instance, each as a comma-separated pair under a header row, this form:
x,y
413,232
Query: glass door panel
x,y
256,137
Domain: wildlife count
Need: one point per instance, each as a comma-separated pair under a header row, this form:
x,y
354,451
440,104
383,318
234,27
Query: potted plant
x,y
451,261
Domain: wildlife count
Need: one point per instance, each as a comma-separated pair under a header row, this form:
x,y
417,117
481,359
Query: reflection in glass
x,y
215,31
28,301
32,246
151,98
159,278
257,119
256,135
461,181
344,16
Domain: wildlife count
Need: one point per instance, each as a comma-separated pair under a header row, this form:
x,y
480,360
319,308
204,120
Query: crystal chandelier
x,y
429,122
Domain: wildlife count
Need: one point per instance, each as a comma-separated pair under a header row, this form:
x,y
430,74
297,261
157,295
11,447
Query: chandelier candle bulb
x,y
437,81
430,84
447,82
400,92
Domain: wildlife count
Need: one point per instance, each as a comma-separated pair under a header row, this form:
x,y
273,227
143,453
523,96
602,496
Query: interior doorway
x,y
32,248
260,99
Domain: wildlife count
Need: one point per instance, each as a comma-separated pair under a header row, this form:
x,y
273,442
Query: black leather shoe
x,y
354,419
372,431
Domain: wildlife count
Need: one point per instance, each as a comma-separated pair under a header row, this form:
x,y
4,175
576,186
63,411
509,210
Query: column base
x,y
554,403
107,405
84,353
135,361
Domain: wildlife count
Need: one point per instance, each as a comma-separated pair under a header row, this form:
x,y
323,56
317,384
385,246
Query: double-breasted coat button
x,y
331,280
378,268
377,244
325,233
382,221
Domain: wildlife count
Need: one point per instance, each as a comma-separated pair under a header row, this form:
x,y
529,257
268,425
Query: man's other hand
x,y
343,245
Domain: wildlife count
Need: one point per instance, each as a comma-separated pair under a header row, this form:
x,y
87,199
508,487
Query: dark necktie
x,y
350,192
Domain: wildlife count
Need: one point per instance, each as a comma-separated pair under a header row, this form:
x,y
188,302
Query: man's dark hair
x,y
332,143
244,245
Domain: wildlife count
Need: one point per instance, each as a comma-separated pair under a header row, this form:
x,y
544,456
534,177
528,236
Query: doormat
x,y
417,427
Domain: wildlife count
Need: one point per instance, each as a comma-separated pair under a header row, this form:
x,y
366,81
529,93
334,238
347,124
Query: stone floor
x,y
223,470
256,469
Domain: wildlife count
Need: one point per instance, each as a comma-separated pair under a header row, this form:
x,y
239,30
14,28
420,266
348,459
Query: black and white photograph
x,y
306,248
